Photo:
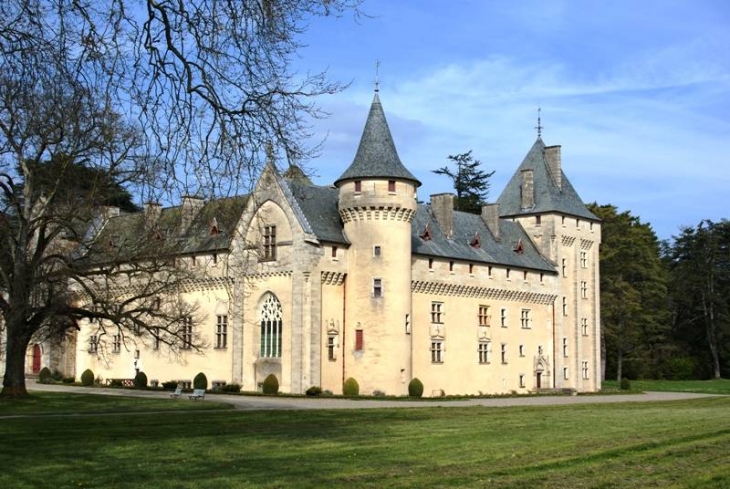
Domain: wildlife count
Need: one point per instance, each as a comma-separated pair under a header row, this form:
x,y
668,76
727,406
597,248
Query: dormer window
x,y
519,248
358,186
427,235
476,241
213,227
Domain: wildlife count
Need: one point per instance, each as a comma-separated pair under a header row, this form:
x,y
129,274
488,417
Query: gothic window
x,y
271,327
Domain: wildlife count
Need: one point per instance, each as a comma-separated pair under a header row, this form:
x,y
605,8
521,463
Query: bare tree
x,y
169,97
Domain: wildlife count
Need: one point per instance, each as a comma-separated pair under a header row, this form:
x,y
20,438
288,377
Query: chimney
x,y
490,216
528,190
189,209
552,156
442,206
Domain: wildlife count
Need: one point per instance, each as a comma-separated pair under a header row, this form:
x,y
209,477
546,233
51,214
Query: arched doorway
x,y
36,358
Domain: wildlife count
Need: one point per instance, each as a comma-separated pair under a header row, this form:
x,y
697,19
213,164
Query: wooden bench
x,y
198,395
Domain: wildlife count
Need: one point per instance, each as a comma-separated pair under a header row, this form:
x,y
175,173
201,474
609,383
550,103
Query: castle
x,y
317,284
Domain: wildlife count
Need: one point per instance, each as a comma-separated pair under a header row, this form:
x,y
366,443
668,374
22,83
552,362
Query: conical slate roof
x,y
548,196
376,156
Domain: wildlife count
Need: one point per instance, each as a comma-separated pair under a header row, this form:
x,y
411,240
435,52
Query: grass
x,y
667,444
715,386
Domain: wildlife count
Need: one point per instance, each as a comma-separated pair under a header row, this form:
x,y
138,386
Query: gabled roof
x,y
319,206
548,197
462,245
376,156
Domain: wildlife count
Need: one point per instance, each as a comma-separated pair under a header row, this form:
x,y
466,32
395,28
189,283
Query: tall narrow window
x,y
585,370
538,220
485,349
334,252
522,380
483,315
565,306
437,312
376,250
504,352
522,350
391,185
584,326
116,343
584,289
525,319
93,343
471,269
451,266
436,352
221,331
331,346
430,263
156,338
359,340
186,333
565,267
271,327
565,347
584,259
269,243
377,287
503,317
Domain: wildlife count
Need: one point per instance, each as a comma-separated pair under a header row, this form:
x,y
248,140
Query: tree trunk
x,y
15,351
619,364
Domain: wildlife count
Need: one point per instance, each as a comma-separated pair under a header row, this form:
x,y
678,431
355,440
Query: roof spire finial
x,y
539,124
377,77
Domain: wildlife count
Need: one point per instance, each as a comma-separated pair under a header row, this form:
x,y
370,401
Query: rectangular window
x,y
430,263
585,370
359,340
221,331
507,273
358,186
437,312
215,258
565,306
565,347
391,185
331,345
583,259
538,220
525,319
334,252
524,276
489,271
522,350
484,351
504,352
584,289
93,343
376,250
377,287
584,326
503,317
565,373
186,333
471,269
269,243
451,266
436,351
522,380
565,267
116,343
483,315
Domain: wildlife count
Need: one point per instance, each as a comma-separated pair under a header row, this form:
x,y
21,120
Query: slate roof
x,y
130,236
459,247
319,206
376,156
548,197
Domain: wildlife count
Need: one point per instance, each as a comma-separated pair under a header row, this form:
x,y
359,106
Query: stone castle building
x,y
317,284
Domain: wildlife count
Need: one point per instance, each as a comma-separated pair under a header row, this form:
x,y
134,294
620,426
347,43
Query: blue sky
x,y
636,92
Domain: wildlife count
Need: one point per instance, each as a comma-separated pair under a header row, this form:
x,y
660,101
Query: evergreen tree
x,y
470,182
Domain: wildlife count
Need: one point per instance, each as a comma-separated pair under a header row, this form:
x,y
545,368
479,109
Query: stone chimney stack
x,y
442,206
528,189
552,156
191,205
490,216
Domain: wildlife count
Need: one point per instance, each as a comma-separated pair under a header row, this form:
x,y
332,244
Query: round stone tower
x,y
377,202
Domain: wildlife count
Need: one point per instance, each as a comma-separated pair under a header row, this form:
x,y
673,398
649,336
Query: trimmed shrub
x,y
200,381
378,393
140,380
44,376
57,376
314,391
271,385
87,378
415,388
69,380
116,383
170,385
625,384
234,388
351,388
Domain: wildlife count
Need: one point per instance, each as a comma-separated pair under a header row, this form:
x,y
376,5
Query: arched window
x,y
271,322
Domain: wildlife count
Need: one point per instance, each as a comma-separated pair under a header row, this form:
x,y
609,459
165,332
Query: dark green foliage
x,y
200,381
415,388
271,385
231,388
681,368
625,384
69,380
170,384
140,380
45,376
116,383
314,391
351,388
57,376
87,377
470,183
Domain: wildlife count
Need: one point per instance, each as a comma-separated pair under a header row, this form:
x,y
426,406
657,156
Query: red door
x,y
36,359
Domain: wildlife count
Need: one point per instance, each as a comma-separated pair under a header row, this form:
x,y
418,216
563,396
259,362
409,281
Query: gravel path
x,y
248,403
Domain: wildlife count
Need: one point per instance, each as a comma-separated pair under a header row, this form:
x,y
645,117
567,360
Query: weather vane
x,y
377,77
539,124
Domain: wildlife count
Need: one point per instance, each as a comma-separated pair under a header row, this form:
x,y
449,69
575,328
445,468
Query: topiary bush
x,y
170,384
44,376
87,378
415,388
200,381
140,380
351,388
314,391
69,380
271,385
625,384
233,388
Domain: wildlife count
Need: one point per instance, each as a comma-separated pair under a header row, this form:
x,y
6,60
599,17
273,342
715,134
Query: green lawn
x,y
718,386
669,444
